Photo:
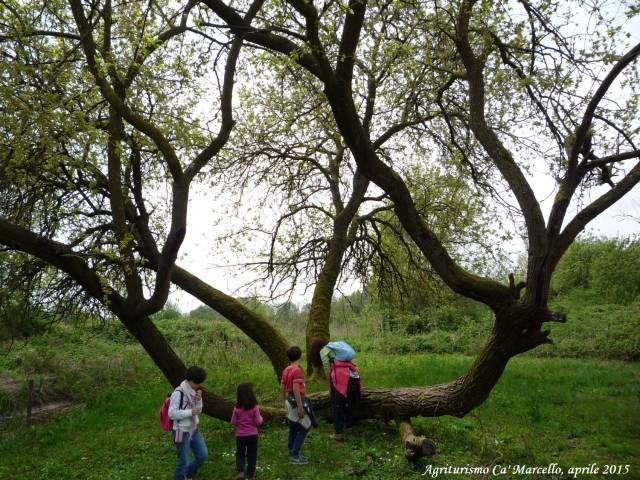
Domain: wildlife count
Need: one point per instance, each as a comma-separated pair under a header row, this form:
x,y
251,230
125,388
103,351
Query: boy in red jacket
x,y
293,383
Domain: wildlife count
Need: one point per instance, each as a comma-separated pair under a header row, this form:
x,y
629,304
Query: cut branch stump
x,y
415,447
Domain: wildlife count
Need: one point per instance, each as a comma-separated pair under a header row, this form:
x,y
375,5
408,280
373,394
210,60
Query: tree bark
x,y
171,366
157,347
318,324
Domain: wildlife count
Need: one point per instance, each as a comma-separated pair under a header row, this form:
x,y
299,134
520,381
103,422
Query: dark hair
x,y
294,353
314,352
245,398
195,374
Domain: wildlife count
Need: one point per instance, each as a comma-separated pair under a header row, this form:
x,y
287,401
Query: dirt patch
x,y
43,408
41,413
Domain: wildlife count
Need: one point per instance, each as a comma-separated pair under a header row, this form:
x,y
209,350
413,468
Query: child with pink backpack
x,y
179,415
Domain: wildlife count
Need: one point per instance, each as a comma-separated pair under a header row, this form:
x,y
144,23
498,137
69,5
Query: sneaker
x,y
338,437
240,476
298,460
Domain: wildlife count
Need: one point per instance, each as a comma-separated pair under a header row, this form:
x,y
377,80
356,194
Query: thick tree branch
x,y
575,174
484,290
312,26
227,118
354,19
399,127
489,140
63,258
587,118
603,161
41,33
117,202
89,48
360,185
590,212
263,38
262,332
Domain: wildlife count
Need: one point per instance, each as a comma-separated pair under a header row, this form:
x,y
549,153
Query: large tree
x,y
99,114
100,110
324,225
496,73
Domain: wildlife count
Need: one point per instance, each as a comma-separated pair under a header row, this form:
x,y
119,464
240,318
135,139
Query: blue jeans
x,y
297,433
247,450
183,467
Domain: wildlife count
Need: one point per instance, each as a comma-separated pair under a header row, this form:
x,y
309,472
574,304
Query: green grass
x,y
592,331
568,411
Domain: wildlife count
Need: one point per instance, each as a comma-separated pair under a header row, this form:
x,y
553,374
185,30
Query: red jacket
x,y
340,375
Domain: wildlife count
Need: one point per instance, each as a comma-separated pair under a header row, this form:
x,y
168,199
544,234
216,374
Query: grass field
x,y
571,412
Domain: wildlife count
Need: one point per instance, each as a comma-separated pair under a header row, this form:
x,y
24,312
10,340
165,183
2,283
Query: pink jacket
x,y
340,375
246,421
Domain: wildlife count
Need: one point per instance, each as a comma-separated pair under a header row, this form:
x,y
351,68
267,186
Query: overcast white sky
x,y
200,256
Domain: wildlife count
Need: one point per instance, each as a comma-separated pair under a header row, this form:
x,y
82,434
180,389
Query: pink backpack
x,y
165,422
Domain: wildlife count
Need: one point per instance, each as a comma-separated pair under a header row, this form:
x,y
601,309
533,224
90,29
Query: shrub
x,y
418,325
16,321
601,271
169,312
449,317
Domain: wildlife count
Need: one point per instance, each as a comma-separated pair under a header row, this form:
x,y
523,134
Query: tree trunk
x,y
171,366
157,347
344,231
318,324
456,398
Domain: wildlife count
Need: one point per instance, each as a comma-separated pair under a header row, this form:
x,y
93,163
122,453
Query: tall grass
x,y
556,410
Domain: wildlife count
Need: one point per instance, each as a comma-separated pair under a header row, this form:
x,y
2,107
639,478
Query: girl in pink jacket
x,y
246,417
